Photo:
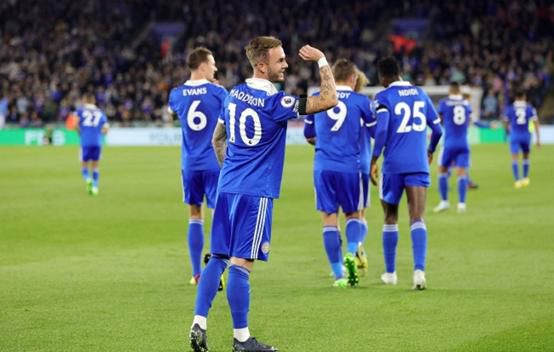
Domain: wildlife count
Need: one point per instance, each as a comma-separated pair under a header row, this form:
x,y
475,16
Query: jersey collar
x,y
196,82
90,106
520,103
455,97
344,88
261,84
400,84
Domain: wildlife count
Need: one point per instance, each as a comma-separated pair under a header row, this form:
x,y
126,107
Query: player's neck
x,y
196,76
258,75
344,84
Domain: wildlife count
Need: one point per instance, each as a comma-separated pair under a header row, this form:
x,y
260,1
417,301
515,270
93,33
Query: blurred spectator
x,y
53,52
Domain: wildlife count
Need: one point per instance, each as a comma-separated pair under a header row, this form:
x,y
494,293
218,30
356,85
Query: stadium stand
x,y
129,53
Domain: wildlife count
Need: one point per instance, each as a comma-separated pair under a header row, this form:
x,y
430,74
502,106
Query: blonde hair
x,y
361,82
258,48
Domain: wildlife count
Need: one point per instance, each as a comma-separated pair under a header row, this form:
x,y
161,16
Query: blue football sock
x,y
331,241
515,169
390,240
208,285
443,186
419,244
95,177
196,243
364,231
353,234
525,168
84,172
462,189
238,295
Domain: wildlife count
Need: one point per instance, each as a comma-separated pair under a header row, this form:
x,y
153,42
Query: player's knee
x,y
248,264
391,219
329,219
354,215
195,212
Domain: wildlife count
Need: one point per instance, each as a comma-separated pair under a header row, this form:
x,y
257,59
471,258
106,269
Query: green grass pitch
x,y
111,273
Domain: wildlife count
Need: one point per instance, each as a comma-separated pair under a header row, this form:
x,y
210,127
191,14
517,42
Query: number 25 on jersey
x,y
419,122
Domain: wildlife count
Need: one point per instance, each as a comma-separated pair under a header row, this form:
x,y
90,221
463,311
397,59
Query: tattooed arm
x,y
327,90
219,142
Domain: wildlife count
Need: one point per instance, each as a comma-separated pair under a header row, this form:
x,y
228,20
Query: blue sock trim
x,y
353,234
525,168
95,177
462,189
332,245
390,242
238,295
364,231
443,186
196,244
515,170
208,285
419,244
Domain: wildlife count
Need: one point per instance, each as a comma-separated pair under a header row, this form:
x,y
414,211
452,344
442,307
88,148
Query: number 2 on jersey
x,y
520,113
404,109
92,118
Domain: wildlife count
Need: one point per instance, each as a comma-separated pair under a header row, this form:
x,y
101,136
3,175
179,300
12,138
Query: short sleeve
x,y
468,107
534,115
432,115
104,119
171,104
366,110
284,107
223,95
441,107
309,127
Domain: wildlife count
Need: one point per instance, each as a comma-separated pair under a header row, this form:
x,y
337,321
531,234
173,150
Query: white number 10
x,y
246,113
404,109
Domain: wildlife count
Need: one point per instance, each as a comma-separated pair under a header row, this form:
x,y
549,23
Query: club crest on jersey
x,y
287,102
265,247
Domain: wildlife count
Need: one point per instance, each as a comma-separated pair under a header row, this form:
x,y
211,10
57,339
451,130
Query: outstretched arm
x,y
327,89
219,142
436,134
381,132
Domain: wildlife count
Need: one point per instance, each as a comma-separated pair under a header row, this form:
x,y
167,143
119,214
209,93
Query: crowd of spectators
x,y
52,52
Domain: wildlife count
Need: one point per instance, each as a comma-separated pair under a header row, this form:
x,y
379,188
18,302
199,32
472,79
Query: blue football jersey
x,y
403,113
255,117
456,117
340,130
198,105
91,121
365,144
519,114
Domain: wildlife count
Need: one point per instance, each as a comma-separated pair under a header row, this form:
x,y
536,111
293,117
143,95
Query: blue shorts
x,y
334,189
197,183
392,186
458,157
90,153
365,190
241,226
518,144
